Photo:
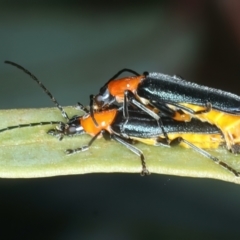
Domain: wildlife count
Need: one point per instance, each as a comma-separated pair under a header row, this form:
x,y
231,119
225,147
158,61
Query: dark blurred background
x,y
74,47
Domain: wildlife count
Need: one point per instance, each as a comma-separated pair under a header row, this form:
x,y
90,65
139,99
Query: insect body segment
x,y
85,124
171,89
143,128
118,88
207,104
228,123
80,125
162,95
104,119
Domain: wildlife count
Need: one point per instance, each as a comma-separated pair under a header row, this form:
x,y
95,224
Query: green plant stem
x,y
30,152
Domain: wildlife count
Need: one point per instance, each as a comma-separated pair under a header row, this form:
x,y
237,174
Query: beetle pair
x,y
127,124
169,94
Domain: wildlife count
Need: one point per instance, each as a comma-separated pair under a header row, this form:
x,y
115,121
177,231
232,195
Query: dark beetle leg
x,y
178,140
130,97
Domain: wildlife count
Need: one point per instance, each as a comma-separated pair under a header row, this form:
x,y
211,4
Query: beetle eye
x,y
72,129
103,99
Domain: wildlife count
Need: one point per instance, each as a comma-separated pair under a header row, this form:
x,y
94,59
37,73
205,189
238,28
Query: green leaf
x,y
30,152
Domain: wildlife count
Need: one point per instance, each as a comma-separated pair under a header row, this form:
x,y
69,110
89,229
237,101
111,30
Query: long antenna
x,y
29,125
64,114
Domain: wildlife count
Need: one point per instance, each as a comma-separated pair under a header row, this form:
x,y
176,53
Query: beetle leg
x,y
83,148
178,140
134,150
130,97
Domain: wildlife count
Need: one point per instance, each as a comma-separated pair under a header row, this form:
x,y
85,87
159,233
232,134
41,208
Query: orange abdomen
x,y
201,140
229,124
